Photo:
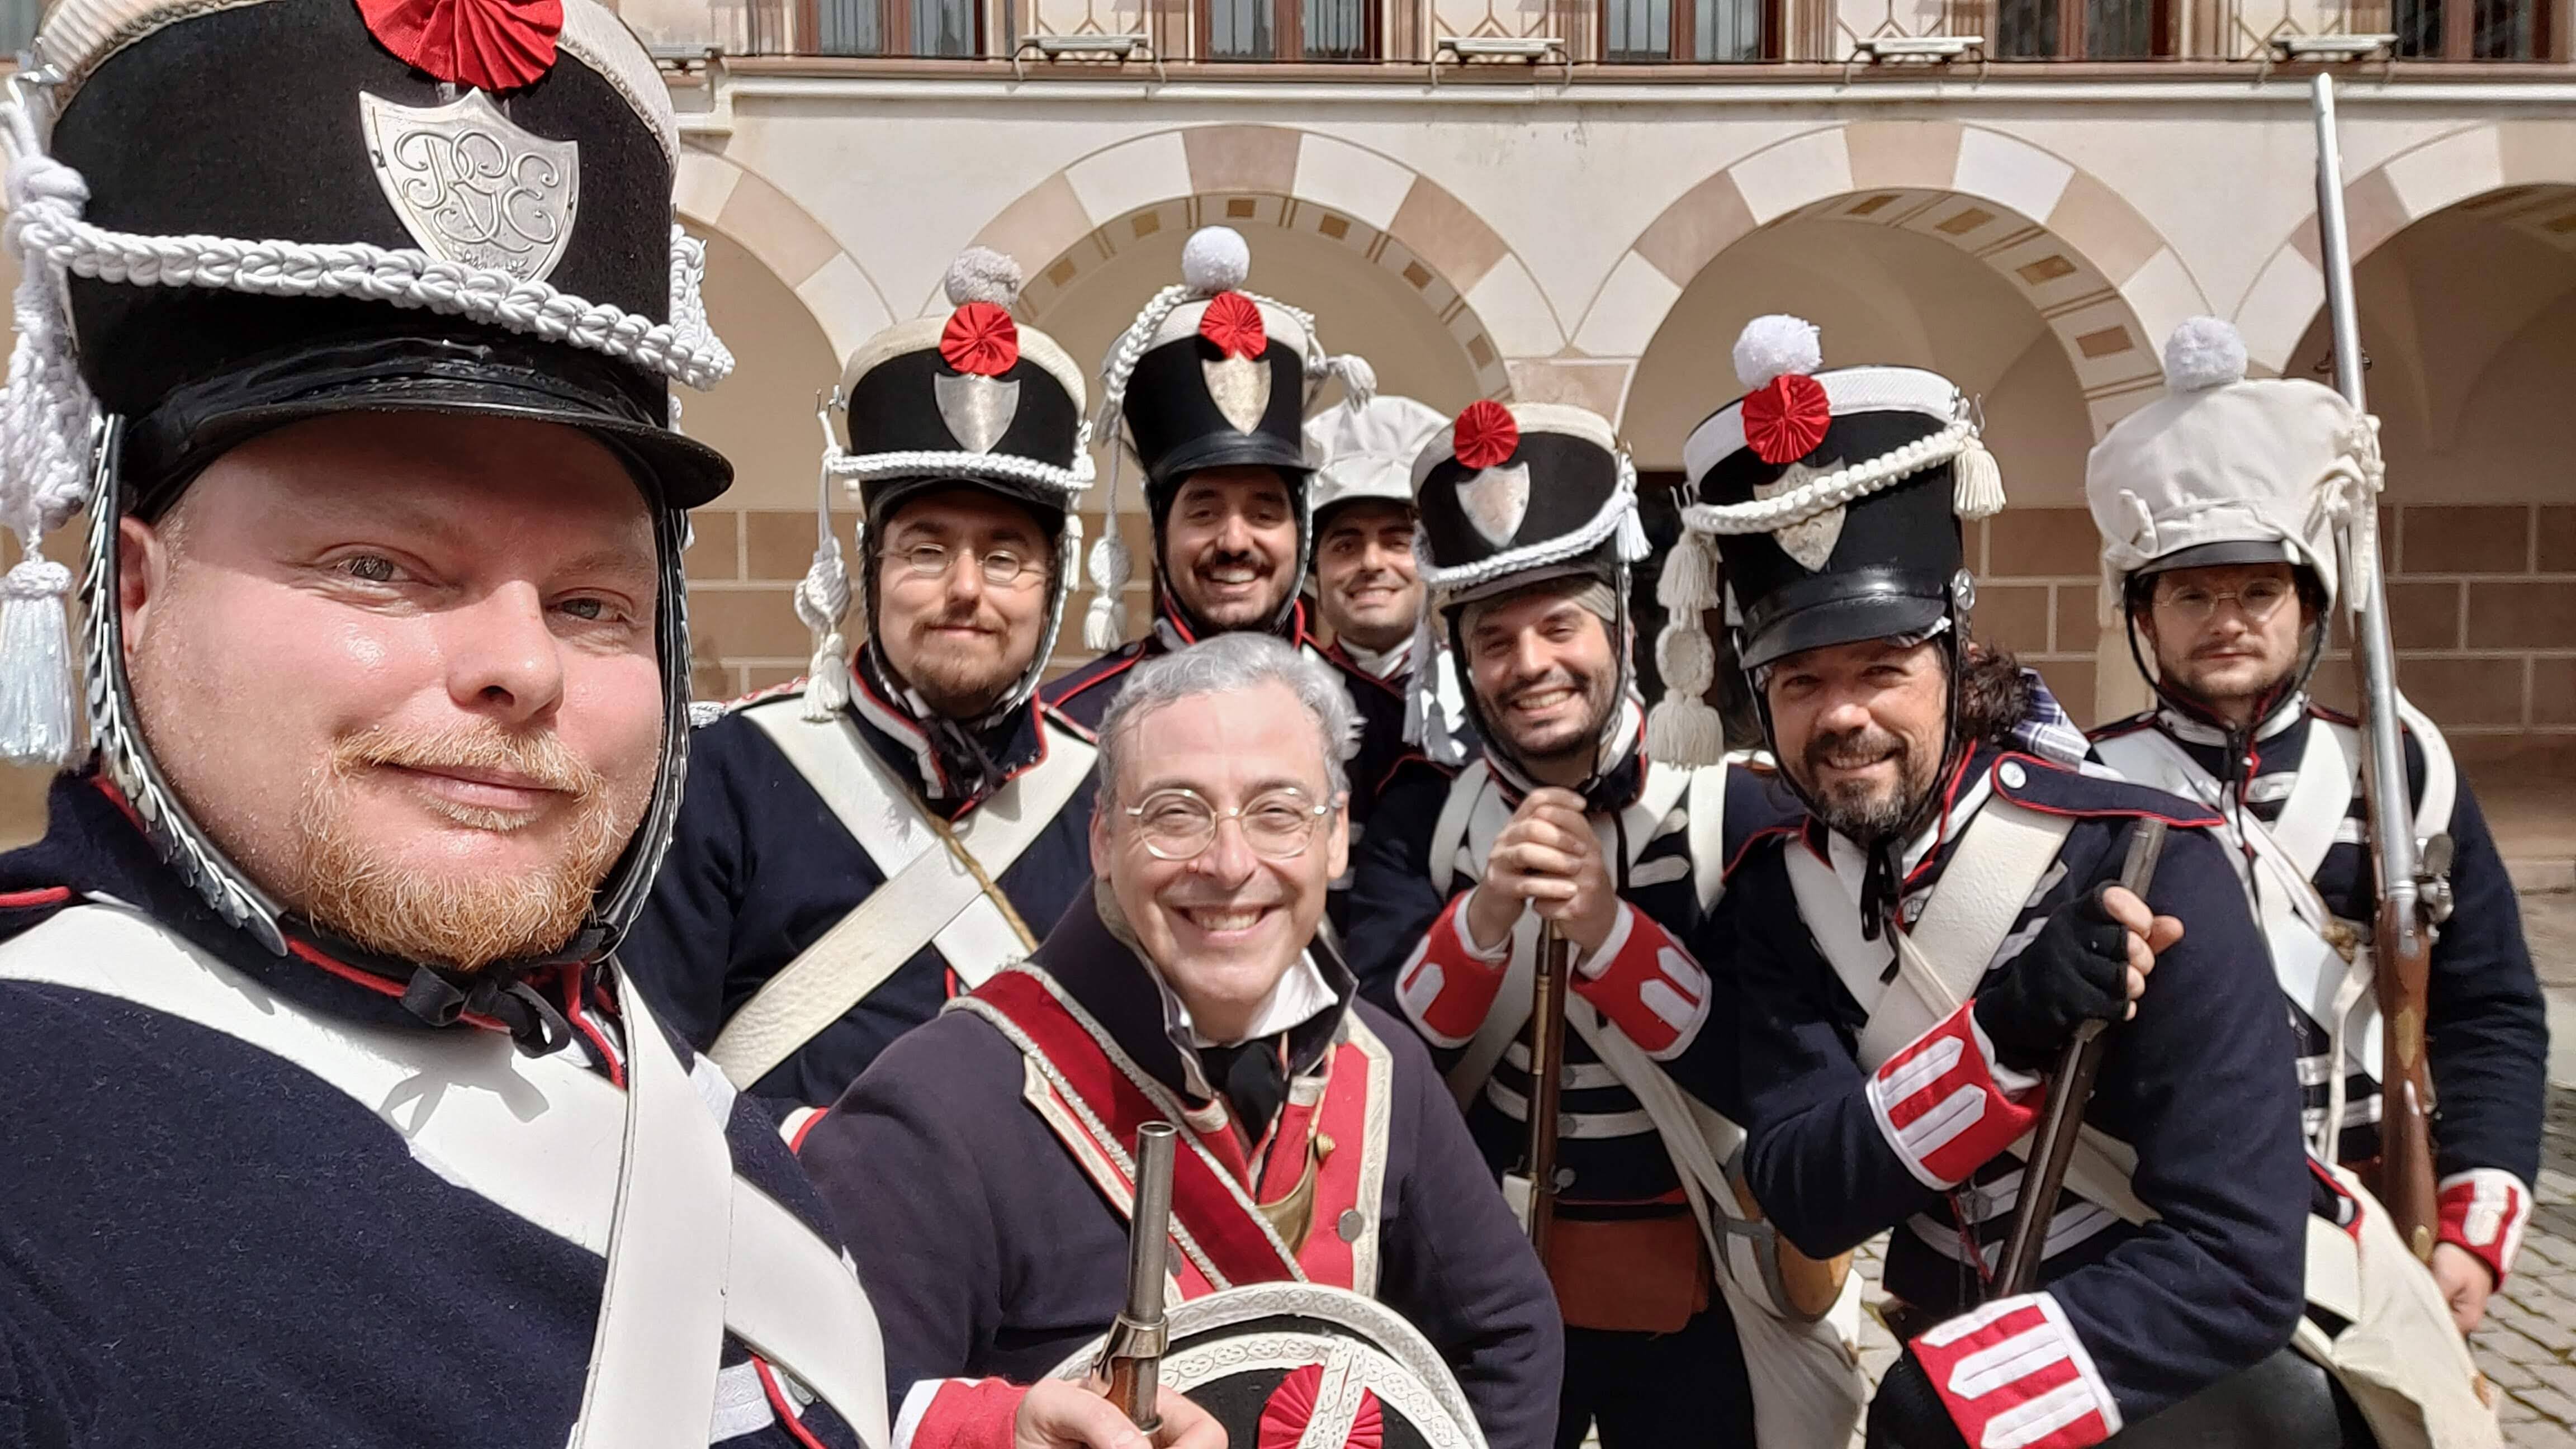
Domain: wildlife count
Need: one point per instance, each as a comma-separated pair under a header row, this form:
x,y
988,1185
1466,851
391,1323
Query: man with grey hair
x,y
986,1152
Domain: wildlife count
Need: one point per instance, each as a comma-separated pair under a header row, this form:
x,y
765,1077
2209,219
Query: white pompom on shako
x,y
1775,346
2202,353
1215,259
981,274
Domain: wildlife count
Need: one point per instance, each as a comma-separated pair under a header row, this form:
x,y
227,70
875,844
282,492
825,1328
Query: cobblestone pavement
x,y
2527,1345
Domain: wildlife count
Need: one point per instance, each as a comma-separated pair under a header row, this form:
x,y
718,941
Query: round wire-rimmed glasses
x,y
1179,824
1001,567
2193,604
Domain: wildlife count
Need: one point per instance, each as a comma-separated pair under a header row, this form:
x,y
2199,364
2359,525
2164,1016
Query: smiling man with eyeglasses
x,y
986,1154
861,844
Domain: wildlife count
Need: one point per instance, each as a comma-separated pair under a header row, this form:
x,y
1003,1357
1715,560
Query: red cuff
x,y
1646,984
2014,1375
1940,1106
1449,985
959,1414
2483,1210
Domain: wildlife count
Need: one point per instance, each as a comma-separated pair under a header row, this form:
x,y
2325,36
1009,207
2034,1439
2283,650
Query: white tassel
x,y
1359,380
36,722
1104,624
1422,700
1633,547
1976,481
1690,577
1685,732
1683,728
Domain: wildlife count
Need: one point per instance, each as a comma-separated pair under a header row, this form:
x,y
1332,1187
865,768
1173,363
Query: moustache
x,y
1558,678
1851,749
542,759
1210,562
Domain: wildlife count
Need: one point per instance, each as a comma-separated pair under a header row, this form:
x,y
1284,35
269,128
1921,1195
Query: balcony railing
x,y
1604,33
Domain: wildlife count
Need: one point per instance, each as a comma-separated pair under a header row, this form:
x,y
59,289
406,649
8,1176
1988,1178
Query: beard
x,y
393,908
1579,742
1859,810
1249,613
962,679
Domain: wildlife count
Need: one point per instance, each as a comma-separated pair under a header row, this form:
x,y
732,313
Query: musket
x,y
2402,937
1131,1358
2070,1087
1547,1078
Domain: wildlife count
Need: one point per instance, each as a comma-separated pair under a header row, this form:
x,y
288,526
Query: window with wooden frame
x,y
1288,29
1694,31
894,27
2081,30
2472,29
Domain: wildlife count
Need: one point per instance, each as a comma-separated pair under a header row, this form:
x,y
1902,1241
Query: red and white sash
x,y
1095,1097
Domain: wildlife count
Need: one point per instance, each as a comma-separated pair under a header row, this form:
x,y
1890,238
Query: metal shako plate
x,y
471,186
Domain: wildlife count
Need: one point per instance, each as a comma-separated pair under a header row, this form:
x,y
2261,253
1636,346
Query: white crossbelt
x,y
1989,879
929,896
642,1177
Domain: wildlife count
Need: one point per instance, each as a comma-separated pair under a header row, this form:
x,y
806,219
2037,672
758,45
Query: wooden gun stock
x,y
2402,958
1547,1079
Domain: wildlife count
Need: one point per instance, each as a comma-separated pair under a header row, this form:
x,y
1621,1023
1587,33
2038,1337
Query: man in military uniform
x,y
2217,505
857,847
1922,945
331,1120
1528,513
1368,591
1212,383
986,1157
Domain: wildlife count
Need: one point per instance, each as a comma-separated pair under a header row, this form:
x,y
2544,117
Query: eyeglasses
x,y
1002,568
2193,604
1179,824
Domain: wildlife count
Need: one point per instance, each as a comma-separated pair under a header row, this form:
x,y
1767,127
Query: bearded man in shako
x,y
1569,815
858,847
1918,948
331,1121
1212,383
989,1155
2217,505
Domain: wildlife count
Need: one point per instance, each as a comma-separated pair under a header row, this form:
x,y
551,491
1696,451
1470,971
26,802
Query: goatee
x,y
466,921
1855,809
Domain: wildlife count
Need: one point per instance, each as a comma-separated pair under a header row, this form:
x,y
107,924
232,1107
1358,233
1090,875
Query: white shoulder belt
x,y
643,1177
930,896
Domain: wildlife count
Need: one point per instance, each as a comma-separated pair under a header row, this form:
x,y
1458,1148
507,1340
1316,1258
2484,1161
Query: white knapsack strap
x,y
1450,830
929,897
661,1326
1988,881
460,1100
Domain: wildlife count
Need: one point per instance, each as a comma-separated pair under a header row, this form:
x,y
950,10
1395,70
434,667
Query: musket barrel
x,y
1149,1242
1131,1358
2401,944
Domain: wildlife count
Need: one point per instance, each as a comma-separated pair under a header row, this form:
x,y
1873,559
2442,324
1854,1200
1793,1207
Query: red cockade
x,y
1292,1405
1485,434
1785,418
491,45
981,339
1233,323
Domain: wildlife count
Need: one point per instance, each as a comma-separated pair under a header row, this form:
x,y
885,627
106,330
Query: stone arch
x,y
716,193
2105,280
1386,212
2501,164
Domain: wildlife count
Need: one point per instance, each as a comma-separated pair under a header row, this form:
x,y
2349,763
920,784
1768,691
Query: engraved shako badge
x,y
471,186
1810,540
